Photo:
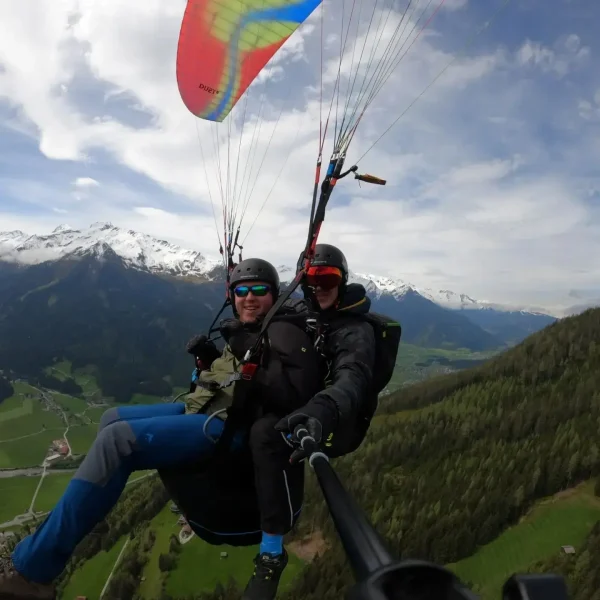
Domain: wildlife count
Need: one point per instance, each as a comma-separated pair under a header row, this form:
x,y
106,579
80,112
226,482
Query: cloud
x,y
567,54
455,4
491,174
85,182
590,109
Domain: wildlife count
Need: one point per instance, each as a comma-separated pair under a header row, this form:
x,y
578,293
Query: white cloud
x,y
566,55
477,199
479,173
455,4
85,182
590,109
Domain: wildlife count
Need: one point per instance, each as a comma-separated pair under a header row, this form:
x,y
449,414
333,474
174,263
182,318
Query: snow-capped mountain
x,y
506,323
146,253
430,317
377,286
137,250
510,324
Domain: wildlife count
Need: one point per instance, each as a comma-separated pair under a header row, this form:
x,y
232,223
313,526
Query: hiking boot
x,y
13,586
265,580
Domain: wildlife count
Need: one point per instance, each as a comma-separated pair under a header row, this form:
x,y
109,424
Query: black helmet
x,y
327,255
255,269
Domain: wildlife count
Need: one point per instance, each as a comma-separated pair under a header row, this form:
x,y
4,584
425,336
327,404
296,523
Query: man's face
x,y
326,283
252,300
326,297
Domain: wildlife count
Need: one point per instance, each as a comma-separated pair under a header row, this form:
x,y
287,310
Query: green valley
x,y
417,363
488,470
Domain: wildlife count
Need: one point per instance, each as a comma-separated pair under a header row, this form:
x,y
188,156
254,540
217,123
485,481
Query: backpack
x,y
387,339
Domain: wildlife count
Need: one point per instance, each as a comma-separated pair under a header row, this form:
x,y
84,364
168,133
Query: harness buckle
x,y
248,370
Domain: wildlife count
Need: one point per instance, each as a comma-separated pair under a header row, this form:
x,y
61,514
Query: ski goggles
x,y
241,291
324,277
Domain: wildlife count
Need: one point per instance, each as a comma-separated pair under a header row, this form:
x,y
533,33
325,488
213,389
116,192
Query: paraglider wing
x,y
223,45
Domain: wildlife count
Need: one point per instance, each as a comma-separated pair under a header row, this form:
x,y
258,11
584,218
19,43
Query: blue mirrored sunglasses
x,y
241,291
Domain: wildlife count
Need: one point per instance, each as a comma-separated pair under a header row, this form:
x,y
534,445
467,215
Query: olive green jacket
x,y
221,373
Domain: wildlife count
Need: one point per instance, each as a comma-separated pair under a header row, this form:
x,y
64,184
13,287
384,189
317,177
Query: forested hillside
x,y
130,327
442,481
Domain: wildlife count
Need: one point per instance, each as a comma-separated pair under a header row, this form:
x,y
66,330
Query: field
x,y
51,490
19,425
19,492
201,559
564,519
14,408
196,557
16,494
28,425
416,363
29,422
60,370
23,414
83,377
27,428
81,437
70,404
237,565
89,579
27,451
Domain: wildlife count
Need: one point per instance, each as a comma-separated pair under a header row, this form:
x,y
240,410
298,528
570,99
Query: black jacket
x,y
289,370
349,352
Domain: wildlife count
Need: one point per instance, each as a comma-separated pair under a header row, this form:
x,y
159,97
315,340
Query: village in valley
x,y
45,435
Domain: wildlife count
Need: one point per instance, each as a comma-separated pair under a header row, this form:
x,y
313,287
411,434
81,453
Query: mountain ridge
x,y
138,250
131,326
144,252
492,440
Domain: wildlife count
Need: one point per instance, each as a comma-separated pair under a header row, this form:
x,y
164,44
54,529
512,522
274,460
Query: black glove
x,y
239,336
319,423
203,349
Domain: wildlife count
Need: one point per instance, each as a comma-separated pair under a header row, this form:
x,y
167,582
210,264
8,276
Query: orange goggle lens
x,y
324,277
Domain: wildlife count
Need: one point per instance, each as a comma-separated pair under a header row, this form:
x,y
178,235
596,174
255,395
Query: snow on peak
x,y
451,299
137,250
11,239
377,285
62,228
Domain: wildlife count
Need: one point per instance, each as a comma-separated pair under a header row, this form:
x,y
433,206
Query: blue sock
x,y
271,544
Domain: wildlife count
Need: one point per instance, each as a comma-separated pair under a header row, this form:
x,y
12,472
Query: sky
x,y
493,187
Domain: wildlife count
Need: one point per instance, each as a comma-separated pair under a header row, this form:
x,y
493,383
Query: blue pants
x,y
130,438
